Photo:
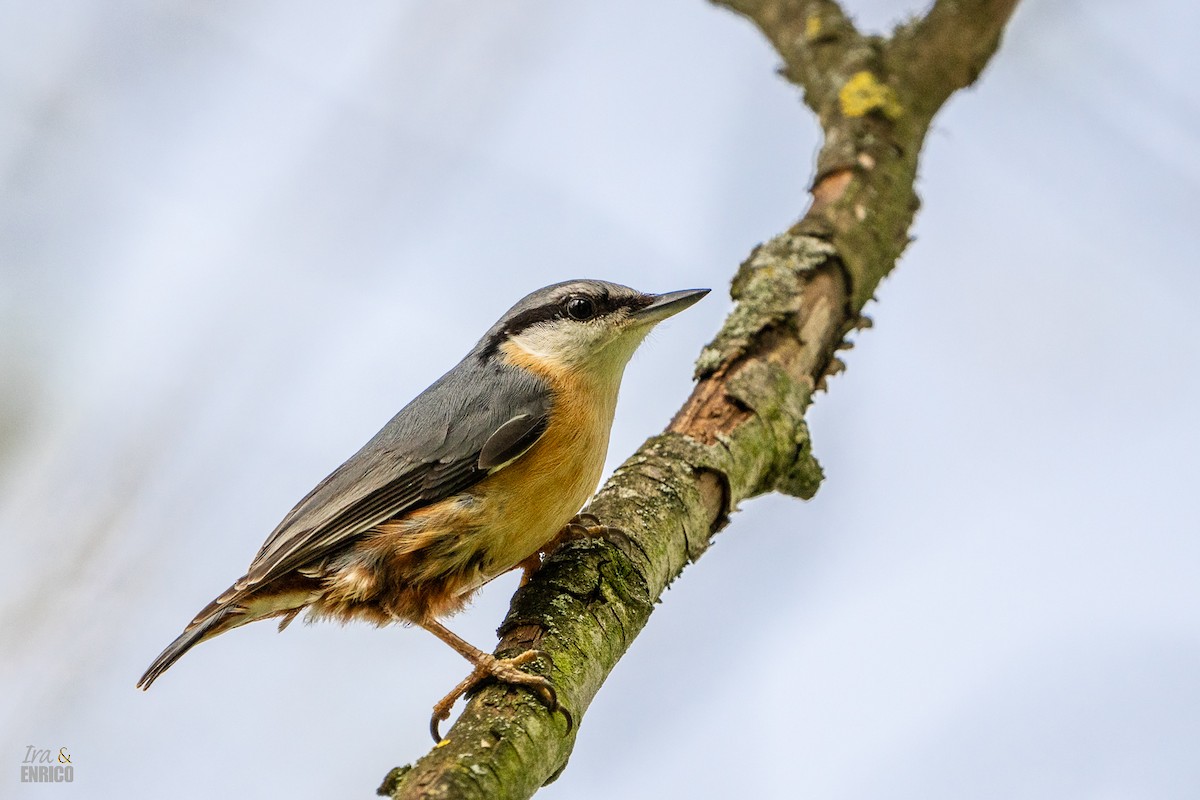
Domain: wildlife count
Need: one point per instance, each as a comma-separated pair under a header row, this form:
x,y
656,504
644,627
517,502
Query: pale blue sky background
x,y
235,237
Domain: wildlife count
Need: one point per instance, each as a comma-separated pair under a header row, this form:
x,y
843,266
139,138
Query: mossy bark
x,y
742,431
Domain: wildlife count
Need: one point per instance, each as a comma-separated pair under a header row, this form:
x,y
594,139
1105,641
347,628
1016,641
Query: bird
x,y
482,473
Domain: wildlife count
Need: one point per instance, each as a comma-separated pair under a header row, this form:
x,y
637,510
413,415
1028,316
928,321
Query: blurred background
x,y
236,237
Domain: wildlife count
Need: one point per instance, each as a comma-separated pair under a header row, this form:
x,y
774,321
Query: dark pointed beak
x,y
667,305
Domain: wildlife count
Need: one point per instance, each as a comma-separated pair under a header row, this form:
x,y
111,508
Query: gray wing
x,y
474,419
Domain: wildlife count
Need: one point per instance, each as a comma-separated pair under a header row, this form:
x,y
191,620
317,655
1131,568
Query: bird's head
x,y
582,325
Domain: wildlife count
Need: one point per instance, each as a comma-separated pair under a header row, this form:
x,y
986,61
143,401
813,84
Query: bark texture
x,y
741,433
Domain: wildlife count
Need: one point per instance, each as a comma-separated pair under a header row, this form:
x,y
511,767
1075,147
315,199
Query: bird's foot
x,y
581,526
586,526
505,670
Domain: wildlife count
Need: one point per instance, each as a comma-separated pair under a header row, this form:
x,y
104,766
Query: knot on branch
x,y
391,781
779,400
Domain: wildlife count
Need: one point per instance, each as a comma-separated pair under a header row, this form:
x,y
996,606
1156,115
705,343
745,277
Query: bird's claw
x,y
587,520
435,723
505,670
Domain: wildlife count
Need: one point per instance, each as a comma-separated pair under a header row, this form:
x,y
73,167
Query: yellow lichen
x,y
863,93
812,27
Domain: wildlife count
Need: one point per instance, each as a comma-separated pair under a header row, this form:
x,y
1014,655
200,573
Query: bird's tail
x,y
238,605
217,617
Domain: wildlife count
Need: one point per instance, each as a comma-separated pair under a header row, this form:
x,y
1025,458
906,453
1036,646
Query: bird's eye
x,y
581,309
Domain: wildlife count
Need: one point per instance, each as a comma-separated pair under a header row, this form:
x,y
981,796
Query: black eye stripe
x,y
603,304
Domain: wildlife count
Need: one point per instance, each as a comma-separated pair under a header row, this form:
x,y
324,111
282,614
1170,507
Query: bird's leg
x,y
529,567
581,526
506,670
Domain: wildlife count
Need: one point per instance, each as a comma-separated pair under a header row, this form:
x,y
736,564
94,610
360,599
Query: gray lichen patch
x,y
767,289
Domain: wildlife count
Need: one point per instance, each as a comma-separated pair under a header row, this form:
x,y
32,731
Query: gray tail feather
x,y
203,628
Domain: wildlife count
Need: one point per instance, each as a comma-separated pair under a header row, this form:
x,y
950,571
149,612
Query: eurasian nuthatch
x,y
473,478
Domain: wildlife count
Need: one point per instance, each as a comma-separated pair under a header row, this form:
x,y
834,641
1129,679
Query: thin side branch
x,y
812,36
742,431
947,49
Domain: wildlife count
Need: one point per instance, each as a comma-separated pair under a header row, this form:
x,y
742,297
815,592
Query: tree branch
x,y
742,431
812,36
947,49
